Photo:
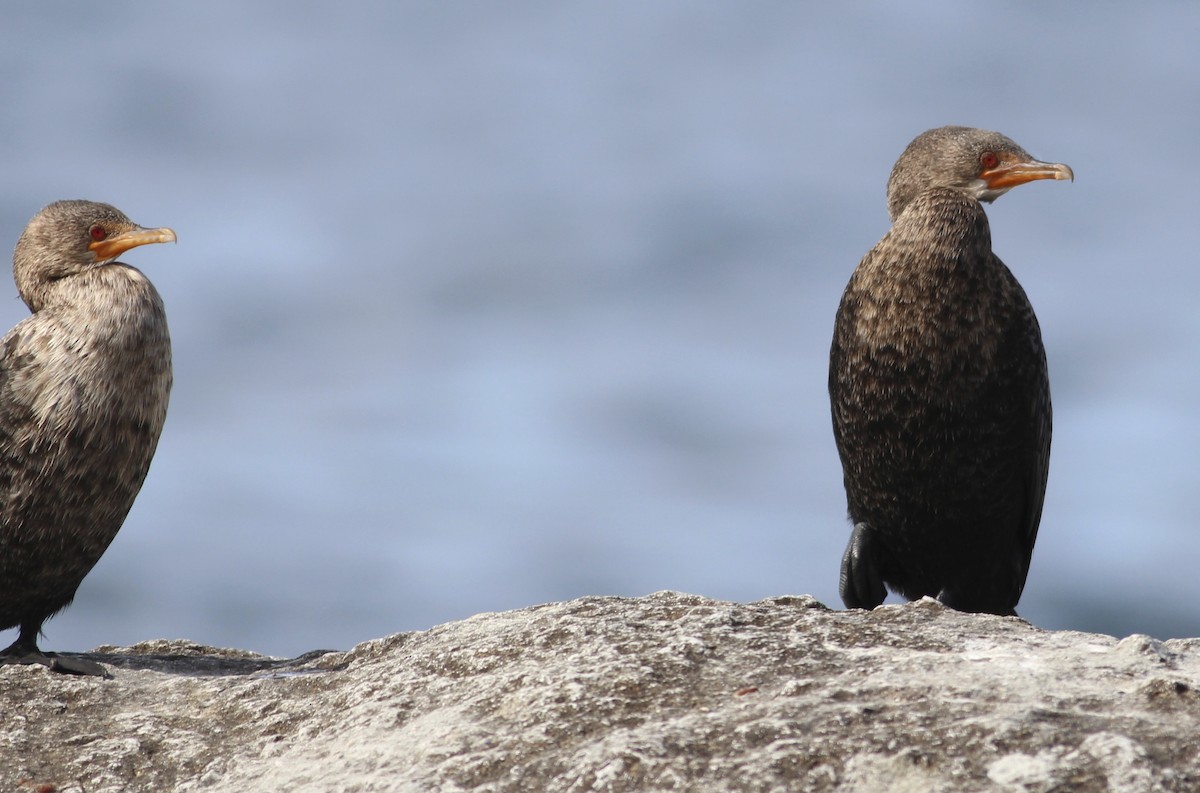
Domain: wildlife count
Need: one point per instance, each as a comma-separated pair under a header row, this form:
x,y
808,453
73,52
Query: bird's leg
x,y
25,645
861,585
25,651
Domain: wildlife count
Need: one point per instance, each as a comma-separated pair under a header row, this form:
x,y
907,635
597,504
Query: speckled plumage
x,y
939,388
84,385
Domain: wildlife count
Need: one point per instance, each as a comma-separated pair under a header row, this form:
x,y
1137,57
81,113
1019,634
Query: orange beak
x,y
117,244
1011,174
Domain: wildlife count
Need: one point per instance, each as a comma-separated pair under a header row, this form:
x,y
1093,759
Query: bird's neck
x,y
939,225
105,292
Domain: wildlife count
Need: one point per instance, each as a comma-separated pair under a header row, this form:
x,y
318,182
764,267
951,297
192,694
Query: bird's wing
x,y
15,414
1035,444
21,368
842,358
1038,467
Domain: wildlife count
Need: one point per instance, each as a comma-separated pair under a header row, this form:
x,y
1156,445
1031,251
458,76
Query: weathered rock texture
x,y
665,692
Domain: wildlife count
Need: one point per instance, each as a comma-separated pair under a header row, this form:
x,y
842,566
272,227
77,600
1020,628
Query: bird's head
x,y
981,164
70,237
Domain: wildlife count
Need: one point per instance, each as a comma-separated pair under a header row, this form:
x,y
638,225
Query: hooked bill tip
x,y
1063,172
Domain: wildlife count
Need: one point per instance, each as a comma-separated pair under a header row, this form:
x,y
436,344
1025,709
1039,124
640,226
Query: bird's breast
x,y
96,364
932,286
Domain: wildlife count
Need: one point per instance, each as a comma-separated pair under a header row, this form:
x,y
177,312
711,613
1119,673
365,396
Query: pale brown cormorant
x,y
84,383
939,388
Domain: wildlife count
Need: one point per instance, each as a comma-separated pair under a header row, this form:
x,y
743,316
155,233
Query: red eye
x,y
97,232
989,160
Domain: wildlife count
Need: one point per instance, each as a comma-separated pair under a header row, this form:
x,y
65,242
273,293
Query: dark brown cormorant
x,y
84,383
939,389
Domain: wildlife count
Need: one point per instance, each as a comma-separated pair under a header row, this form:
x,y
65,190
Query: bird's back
x,y
941,408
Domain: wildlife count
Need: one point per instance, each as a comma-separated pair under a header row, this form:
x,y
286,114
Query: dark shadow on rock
x,y
199,661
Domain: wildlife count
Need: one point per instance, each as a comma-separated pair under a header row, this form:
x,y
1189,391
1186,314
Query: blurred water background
x,y
481,305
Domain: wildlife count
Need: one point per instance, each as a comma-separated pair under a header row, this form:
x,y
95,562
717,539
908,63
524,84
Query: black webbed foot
x,y
67,665
861,586
24,651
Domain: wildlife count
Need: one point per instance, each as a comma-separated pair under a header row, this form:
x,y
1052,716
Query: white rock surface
x,y
666,692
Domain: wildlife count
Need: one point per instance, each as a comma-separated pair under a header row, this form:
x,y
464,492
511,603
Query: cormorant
x,y
84,383
939,388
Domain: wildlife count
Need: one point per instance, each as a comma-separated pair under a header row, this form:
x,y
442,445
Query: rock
x,y
664,692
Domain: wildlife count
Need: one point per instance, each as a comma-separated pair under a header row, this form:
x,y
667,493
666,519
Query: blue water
x,y
480,305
